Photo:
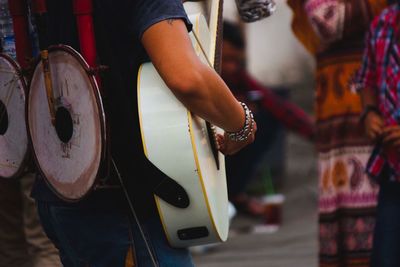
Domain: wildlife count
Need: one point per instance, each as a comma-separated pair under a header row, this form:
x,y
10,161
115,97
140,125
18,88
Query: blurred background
x,y
279,62
266,67
283,211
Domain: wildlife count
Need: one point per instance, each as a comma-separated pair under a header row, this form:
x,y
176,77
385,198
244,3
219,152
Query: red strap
x,y
83,11
39,6
83,7
19,14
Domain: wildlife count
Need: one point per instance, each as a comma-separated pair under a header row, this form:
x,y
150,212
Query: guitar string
x,y
211,66
202,49
215,31
132,209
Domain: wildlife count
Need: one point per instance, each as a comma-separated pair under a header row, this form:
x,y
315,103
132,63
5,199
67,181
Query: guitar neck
x,y
216,28
215,24
218,41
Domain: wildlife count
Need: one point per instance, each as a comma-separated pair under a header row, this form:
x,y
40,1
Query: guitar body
x,y
178,143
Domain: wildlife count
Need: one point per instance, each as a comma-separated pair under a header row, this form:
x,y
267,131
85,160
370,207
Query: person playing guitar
x,y
99,230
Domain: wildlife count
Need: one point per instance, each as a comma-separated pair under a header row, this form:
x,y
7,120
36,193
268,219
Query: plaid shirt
x,y
381,71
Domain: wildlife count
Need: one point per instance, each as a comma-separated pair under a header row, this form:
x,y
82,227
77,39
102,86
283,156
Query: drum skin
x,y
13,133
69,156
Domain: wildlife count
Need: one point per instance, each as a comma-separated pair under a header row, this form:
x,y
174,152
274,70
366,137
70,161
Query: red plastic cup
x,y
273,209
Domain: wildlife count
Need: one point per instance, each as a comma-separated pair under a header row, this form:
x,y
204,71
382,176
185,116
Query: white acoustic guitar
x,y
181,145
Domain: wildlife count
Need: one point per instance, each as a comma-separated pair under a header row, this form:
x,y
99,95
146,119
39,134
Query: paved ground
x,y
295,244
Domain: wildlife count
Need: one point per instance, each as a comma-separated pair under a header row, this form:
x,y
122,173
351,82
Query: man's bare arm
x,y
195,84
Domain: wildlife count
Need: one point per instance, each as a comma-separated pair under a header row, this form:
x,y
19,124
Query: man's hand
x,y
391,136
229,147
373,124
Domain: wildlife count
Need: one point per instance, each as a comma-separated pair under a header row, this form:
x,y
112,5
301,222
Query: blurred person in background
x,y
333,31
379,83
270,110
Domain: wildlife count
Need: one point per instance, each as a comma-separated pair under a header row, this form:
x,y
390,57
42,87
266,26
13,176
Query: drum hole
x,y
64,124
3,118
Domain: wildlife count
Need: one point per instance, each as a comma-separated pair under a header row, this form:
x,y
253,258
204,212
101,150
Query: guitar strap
x,y
169,190
132,209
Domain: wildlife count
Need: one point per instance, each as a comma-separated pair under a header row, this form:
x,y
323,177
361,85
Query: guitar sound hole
x,y
3,118
64,124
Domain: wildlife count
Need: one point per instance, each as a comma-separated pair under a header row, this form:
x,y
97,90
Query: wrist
x,y
239,121
247,129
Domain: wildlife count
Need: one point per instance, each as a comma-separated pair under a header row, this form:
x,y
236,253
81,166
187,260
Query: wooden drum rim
x,y
99,105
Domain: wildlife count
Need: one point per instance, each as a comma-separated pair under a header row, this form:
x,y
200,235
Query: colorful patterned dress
x,y
347,197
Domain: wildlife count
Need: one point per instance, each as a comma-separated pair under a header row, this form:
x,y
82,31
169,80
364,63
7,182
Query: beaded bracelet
x,y
247,129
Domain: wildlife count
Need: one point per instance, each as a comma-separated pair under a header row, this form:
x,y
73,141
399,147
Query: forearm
x,y
212,100
195,84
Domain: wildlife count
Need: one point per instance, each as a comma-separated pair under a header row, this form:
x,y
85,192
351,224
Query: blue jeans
x,y
386,247
103,236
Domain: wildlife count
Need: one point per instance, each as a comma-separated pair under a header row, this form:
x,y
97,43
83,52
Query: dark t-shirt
x,y
119,26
